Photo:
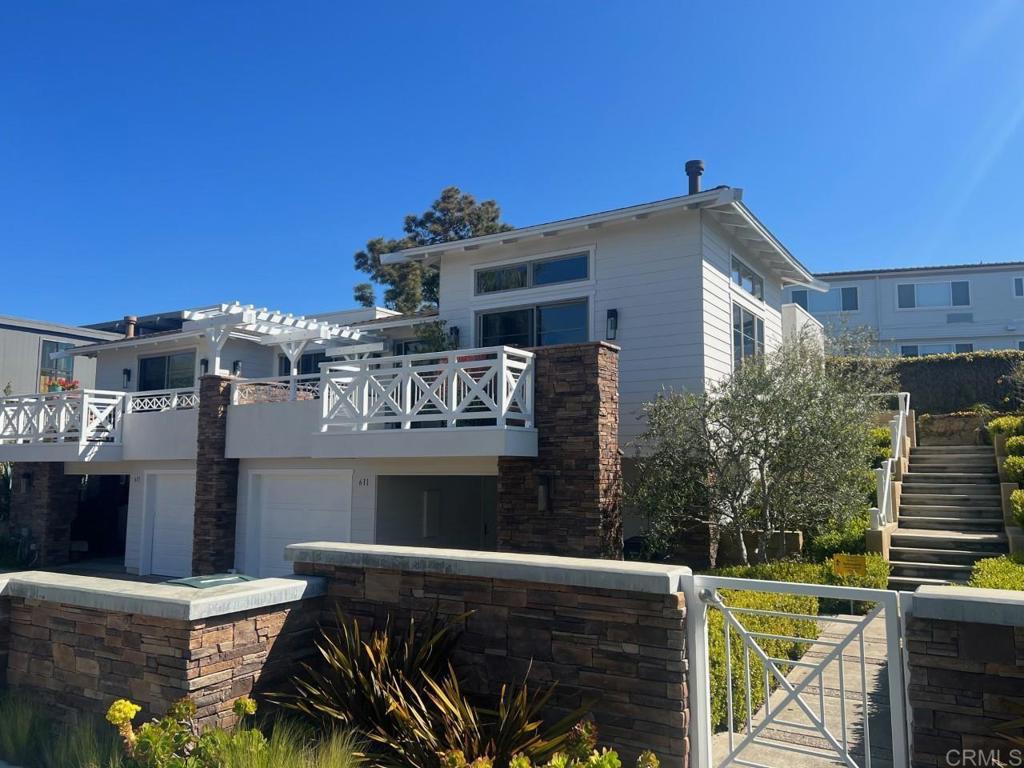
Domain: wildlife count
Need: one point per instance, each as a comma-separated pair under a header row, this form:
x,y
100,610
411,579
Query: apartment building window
x,y
839,299
531,274
174,371
747,335
1018,286
956,293
921,350
747,279
50,370
537,326
309,363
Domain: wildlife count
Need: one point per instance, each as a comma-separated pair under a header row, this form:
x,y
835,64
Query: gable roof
x,y
725,204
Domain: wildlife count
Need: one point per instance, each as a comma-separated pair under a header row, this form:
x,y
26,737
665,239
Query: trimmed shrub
x,y
881,445
1015,445
1006,572
1013,466
1017,506
849,537
1007,425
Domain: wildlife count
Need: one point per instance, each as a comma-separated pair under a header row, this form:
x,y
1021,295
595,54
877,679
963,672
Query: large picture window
x,y
174,371
747,279
536,326
747,335
529,274
50,370
956,293
839,299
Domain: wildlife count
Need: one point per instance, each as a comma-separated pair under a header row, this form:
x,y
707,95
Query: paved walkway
x,y
787,744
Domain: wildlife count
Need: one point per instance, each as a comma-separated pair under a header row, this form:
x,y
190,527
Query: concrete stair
x,y
950,516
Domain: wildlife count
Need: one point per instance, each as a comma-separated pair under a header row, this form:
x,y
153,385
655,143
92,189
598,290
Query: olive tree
x,y
781,444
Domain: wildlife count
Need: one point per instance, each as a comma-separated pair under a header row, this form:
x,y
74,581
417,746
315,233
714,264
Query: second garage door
x,y
170,498
297,507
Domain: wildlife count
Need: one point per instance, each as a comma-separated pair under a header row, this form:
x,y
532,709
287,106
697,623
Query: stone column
x,y
576,413
213,535
43,502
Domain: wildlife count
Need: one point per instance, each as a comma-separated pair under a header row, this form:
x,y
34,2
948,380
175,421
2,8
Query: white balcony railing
x,y
79,416
276,389
491,387
885,512
162,400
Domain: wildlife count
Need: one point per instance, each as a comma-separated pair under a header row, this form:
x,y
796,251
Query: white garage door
x,y
171,500
301,507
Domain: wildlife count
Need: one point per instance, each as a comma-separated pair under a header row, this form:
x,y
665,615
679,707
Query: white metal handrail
x,y
162,400
276,389
491,386
884,512
76,416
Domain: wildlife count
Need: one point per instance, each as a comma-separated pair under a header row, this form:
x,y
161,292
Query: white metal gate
x,y
826,689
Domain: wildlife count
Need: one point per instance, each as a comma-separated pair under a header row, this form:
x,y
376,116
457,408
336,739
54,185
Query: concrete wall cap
x,y
984,606
570,571
165,601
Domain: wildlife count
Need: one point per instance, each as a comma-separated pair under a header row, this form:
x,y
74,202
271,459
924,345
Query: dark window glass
x,y
175,371
800,298
909,350
501,278
747,278
961,293
309,363
562,270
964,348
513,328
905,296
850,303
747,335
1018,286
562,323
51,370
152,373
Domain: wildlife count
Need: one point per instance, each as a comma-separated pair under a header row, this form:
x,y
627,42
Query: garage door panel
x,y
301,507
172,510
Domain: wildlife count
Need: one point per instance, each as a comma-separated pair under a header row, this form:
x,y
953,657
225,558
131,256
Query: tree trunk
x,y
714,538
744,559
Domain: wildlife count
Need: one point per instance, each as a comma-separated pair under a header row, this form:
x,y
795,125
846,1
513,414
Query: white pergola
x,y
292,334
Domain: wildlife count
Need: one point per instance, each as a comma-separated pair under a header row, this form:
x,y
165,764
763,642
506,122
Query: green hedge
x,y
950,383
1017,505
1006,572
1013,466
1006,425
1015,445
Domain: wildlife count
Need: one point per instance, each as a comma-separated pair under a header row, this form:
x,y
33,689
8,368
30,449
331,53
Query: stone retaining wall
x,y
621,648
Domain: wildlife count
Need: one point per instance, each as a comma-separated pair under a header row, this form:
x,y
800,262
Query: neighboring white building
x,y
27,348
925,310
342,432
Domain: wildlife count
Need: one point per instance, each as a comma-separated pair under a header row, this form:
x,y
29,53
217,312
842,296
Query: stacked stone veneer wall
x,y
80,659
623,649
576,413
966,674
43,502
216,504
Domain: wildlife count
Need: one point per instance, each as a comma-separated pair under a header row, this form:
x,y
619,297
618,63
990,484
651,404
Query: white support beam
x,y
356,349
310,333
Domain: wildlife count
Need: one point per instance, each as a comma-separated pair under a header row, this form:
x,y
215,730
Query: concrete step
x,y
966,478
953,503
977,541
955,572
952,496
933,464
979,489
950,524
910,583
956,513
937,555
934,450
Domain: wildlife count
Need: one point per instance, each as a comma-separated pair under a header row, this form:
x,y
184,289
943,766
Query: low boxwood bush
x,y
1017,506
1014,469
1007,425
1006,572
881,445
848,537
1015,445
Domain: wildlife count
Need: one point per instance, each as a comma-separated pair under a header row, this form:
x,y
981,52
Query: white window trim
x,y
533,305
1013,286
941,308
839,288
195,368
758,316
546,256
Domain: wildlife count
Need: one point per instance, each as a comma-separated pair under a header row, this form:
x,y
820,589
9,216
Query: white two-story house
x,y
925,310
338,428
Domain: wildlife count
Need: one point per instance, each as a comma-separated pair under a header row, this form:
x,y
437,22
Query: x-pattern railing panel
x,y
162,400
473,387
82,416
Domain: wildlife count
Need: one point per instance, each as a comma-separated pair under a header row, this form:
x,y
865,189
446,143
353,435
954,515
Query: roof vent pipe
x,y
131,322
694,169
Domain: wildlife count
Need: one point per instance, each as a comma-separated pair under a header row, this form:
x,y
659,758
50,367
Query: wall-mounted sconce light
x,y
453,336
26,482
612,330
236,368
543,494
204,367
126,377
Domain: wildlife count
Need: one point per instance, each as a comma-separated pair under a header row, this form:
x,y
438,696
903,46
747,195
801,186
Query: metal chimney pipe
x,y
130,324
694,169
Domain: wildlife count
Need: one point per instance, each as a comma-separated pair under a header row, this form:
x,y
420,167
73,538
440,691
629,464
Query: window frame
x,y
167,369
69,374
529,262
533,308
758,324
940,307
963,344
733,261
282,362
1013,287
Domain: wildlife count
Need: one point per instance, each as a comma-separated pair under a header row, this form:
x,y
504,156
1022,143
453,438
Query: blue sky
x,y
159,155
